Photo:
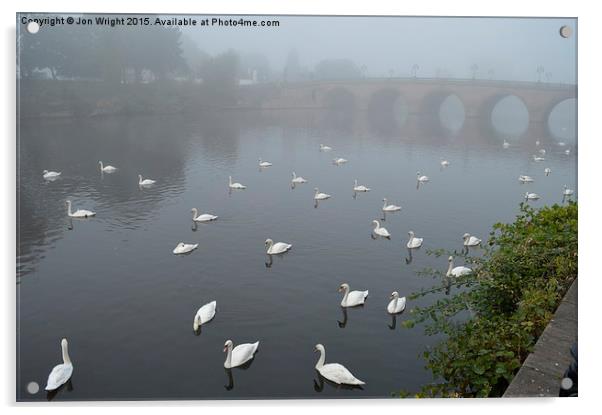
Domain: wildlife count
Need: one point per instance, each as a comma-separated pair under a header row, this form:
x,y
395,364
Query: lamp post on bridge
x,y
540,70
474,68
415,68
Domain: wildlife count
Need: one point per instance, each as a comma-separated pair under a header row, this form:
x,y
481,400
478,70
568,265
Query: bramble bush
x,y
499,311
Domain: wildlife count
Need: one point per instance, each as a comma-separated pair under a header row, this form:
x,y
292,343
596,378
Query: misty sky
x,y
512,47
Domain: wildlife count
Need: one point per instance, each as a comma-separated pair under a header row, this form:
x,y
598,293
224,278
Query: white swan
x,y
334,372
204,315
456,271
547,171
390,208
506,144
542,151
538,158
320,196
338,161
360,188
205,217
50,175
353,298
380,231
235,185
414,242
325,148
240,354
561,143
80,213
107,169
444,163
298,179
470,240
525,179
276,248
145,182
531,196
567,191
422,179
567,151
183,248
397,304
60,374
537,143
264,163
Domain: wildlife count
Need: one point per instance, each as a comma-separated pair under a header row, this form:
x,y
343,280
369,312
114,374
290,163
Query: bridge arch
x,y
561,119
507,115
387,109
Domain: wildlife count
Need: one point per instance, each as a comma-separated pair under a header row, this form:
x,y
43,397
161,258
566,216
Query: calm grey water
x,y
112,286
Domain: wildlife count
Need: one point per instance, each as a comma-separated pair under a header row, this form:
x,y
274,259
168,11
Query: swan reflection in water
x,y
230,375
50,395
393,322
319,384
270,260
410,258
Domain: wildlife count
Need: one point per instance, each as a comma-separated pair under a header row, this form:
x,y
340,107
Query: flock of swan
x,y
243,353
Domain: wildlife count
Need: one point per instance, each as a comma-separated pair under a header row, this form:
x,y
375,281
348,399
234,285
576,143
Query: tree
x,y
337,69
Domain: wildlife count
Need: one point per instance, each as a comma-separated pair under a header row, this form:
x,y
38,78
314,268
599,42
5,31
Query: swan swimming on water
x,y
353,298
567,191
276,248
204,315
397,304
80,213
60,374
506,144
538,158
525,179
422,179
414,242
360,188
145,182
183,248
298,179
239,355
107,169
378,230
235,185
320,196
390,208
334,372
470,240
264,163
325,148
205,217
456,271
547,171
50,175
444,163
531,196
338,161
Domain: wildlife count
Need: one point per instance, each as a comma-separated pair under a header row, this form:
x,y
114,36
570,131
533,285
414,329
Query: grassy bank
x,y
497,314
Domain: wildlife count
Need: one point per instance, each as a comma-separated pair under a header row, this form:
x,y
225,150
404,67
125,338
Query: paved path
x,y
543,369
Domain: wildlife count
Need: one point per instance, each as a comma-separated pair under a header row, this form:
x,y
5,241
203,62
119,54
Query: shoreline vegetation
x,y
498,312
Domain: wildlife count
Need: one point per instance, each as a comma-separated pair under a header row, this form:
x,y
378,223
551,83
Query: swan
x,y
183,248
567,191
353,298
80,213
456,271
264,163
145,182
276,248
50,175
107,169
380,231
320,196
204,315
547,171
561,143
338,161
235,185
537,143
525,179
422,179
240,355
414,242
360,188
390,208
334,372
298,179
531,196
325,148
397,305
470,240
205,217
538,158
60,374
506,144
567,151
444,163
542,152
